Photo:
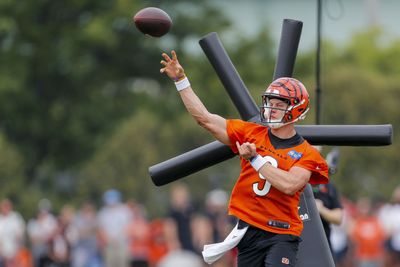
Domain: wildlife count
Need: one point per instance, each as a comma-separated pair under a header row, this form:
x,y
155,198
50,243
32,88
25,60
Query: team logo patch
x,y
294,154
285,261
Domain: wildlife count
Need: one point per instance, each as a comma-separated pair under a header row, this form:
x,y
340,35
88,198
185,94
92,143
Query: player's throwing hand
x,y
172,68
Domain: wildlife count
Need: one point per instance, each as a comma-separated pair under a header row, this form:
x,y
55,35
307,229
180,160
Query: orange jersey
x,y
254,200
368,237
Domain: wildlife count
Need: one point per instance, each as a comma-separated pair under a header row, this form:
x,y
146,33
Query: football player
x,y
276,165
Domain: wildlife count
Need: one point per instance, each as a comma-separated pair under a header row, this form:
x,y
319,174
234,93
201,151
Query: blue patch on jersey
x,y
294,154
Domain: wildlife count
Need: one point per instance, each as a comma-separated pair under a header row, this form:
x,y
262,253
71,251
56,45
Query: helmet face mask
x,y
292,107
273,111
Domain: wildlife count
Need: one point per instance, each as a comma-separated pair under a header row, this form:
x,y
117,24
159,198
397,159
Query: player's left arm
x,y
333,216
288,182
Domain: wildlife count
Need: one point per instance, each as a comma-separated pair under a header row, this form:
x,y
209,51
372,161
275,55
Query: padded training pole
x,y
216,152
228,75
189,163
290,38
347,135
314,248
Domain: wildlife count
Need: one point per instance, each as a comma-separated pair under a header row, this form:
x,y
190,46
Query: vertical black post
x,y
318,67
288,45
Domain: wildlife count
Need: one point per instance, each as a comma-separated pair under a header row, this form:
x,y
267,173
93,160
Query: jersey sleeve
x,y
314,162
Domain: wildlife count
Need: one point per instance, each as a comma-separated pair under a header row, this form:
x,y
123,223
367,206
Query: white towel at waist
x,y
213,252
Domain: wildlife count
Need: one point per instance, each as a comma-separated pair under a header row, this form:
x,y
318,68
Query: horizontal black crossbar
x,y
216,152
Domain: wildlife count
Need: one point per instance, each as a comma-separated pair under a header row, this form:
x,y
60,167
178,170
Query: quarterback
x,y
276,164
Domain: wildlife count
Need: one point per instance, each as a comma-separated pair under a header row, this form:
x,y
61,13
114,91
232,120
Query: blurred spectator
x,y
139,236
159,243
40,231
329,207
12,230
59,253
339,237
82,236
216,205
202,232
389,214
113,222
327,197
367,235
180,214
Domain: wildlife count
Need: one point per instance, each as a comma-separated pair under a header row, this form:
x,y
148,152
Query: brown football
x,y
152,21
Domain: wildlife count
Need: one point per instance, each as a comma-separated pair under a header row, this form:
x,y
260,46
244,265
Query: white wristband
x,y
257,162
182,84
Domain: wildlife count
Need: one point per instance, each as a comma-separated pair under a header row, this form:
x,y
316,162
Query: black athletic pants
x,y
259,248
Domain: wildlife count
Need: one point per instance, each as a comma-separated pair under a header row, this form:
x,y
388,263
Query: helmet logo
x,y
273,91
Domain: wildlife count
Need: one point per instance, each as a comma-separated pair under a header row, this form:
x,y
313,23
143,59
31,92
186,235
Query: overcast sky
x,y
340,18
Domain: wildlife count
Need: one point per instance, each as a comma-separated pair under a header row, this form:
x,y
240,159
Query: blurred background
x,y
85,111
